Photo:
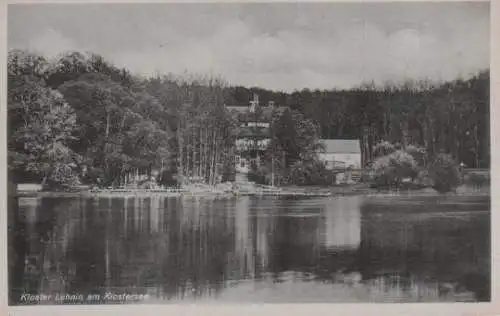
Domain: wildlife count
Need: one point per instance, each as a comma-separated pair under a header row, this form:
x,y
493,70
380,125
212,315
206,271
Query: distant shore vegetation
x,y
78,119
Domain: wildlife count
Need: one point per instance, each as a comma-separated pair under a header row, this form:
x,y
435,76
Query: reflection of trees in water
x,y
295,238
254,223
85,257
178,247
39,229
58,271
195,262
438,248
49,226
17,246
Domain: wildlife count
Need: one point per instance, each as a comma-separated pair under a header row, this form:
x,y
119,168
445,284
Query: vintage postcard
x,y
230,154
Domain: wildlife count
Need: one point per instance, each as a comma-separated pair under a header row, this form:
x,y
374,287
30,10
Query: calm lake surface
x,y
345,249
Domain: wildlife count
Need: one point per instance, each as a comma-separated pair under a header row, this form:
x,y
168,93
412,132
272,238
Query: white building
x,y
341,154
254,134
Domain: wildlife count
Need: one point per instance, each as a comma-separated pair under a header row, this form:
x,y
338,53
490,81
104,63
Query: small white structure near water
x,y
341,154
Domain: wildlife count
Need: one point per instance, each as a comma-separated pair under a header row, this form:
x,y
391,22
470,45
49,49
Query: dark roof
x,y
351,146
237,108
281,109
248,119
261,132
267,111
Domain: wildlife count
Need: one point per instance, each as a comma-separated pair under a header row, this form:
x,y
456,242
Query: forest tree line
x,y
80,118
451,117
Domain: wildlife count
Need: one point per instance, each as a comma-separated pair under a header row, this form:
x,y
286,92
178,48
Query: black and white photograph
x,y
251,153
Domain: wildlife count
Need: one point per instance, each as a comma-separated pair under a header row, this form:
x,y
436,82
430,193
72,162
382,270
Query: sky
x,y
280,46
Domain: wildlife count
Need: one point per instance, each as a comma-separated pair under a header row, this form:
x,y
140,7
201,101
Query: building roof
x,y
262,118
237,108
260,132
266,111
351,146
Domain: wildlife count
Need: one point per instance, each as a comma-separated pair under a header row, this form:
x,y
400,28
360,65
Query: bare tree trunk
x,y
213,157
476,147
44,181
385,125
193,146
200,156
207,153
180,168
188,156
108,120
365,150
185,160
218,151
456,135
203,151
208,165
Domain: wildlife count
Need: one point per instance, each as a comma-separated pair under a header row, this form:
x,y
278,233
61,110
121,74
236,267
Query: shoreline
x,y
312,192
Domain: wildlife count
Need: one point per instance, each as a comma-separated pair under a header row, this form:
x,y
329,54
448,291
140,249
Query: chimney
x,y
254,103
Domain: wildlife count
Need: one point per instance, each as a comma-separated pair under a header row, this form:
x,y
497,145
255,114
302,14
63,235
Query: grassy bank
x,y
336,190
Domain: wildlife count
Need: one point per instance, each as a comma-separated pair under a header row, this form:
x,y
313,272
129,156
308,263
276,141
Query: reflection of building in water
x,y
155,212
125,215
136,212
295,239
342,228
252,249
244,243
29,206
264,224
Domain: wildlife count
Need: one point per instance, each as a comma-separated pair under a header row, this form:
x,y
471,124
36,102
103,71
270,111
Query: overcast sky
x,y
283,46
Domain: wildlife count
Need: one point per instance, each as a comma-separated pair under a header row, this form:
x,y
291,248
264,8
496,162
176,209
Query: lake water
x,y
174,250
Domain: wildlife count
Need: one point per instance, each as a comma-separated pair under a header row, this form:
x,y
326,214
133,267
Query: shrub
x,y
418,153
423,179
167,178
477,180
383,148
444,173
147,184
92,175
257,174
311,172
63,177
390,170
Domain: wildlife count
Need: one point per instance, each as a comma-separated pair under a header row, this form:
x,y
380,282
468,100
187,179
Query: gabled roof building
x,y
253,134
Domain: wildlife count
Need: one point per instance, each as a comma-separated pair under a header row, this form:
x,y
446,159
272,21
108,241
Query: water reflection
x,y
343,223
262,250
